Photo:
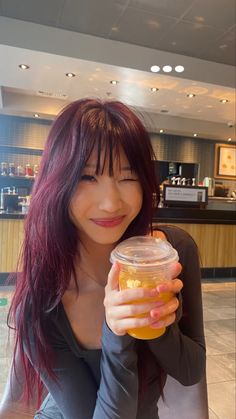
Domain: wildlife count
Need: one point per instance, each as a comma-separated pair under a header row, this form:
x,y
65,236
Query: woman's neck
x,y
93,264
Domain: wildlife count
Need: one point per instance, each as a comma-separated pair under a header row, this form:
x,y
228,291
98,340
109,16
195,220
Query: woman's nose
x,y
110,198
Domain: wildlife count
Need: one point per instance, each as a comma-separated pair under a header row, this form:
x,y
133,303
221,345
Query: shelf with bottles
x,y
20,170
19,161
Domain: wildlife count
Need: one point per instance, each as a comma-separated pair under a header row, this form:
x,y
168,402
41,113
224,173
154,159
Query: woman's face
x,y
103,206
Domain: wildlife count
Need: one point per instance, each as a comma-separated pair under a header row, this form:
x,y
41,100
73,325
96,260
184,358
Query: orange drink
x,y
135,281
145,263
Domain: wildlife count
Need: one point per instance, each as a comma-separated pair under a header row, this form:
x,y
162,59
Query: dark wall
x,y
32,133
188,150
27,133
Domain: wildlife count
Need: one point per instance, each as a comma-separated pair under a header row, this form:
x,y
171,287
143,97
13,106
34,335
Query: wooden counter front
x,y
216,243
11,237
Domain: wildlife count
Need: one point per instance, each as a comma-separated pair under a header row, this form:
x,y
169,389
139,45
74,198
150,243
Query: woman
x,y
95,188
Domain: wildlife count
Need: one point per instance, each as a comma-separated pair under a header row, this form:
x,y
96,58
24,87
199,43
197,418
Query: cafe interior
x,y
173,63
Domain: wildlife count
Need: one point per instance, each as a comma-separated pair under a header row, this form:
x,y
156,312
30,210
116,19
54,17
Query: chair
x,y
183,402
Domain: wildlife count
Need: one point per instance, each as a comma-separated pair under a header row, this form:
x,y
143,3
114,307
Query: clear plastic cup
x,y
145,262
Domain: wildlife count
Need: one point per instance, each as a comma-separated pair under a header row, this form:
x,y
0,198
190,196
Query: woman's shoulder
x,y
175,235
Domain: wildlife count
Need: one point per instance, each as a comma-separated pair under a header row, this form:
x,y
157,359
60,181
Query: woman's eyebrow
x,y
93,166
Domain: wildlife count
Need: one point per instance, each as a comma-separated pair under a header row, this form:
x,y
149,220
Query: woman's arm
x,y
118,392
181,350
11,407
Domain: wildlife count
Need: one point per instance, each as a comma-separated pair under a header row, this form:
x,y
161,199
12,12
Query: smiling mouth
x,y
108,222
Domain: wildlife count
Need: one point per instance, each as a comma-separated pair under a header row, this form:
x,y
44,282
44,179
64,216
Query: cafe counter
x,y
214,231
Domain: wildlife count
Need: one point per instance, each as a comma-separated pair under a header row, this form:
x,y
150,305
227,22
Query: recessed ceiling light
x,y
155,68
199,19
191,95
114,82
224,100
154,89
167,68
179,68
36,115
229,139
223,46
70,75
195,135
161,130
24,66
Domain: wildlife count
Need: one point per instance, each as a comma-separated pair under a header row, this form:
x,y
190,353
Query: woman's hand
x,y
165,314
121,312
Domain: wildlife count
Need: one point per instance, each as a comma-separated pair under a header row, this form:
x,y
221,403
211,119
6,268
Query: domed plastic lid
x,y
144,251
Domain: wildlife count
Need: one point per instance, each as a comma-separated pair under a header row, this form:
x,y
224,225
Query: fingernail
x,y
154,313
163,288
158,325
115,266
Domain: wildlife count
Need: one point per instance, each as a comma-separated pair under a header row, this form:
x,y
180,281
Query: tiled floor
x,y
219,315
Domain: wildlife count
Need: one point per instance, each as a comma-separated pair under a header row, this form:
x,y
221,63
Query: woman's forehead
x,y
102,159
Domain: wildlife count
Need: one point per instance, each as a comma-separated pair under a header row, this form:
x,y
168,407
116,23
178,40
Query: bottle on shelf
x,y
28,170
20,171
11,169
4,169
36,170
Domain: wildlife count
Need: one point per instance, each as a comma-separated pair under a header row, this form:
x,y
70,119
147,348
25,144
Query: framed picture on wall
x,y
225,161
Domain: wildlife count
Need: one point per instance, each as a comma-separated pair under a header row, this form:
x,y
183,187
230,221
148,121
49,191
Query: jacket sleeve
x,y
181,350
118,392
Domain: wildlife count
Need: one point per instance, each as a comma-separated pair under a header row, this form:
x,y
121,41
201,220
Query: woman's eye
x,y
88,178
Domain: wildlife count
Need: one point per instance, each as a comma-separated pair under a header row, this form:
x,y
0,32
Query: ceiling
x,y
106,40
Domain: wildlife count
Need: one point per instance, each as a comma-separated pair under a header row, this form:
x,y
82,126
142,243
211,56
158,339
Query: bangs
x,y
105,138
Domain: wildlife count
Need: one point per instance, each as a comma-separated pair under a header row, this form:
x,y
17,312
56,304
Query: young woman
x,y
95,188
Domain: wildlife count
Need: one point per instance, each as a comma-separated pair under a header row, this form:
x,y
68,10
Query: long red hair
x,y
51,240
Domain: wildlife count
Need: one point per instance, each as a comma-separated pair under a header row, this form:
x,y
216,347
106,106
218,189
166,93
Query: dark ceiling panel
x,y
142,28
44,12
189,39
223,49
197,28
91,17
216,13
174,8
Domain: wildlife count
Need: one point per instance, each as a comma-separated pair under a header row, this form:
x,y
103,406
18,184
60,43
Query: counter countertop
x,y
172,214
194,216
12,215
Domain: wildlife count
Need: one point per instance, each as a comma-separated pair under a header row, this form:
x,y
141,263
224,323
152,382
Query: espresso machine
x,y
9,199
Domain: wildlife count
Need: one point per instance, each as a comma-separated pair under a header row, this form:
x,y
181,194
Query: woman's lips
x,y
108,222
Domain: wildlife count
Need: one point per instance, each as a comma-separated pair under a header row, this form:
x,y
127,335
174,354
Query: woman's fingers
x,y
173,285
131,310
175,269
165,310
113,278
120,327
127,295
164,322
